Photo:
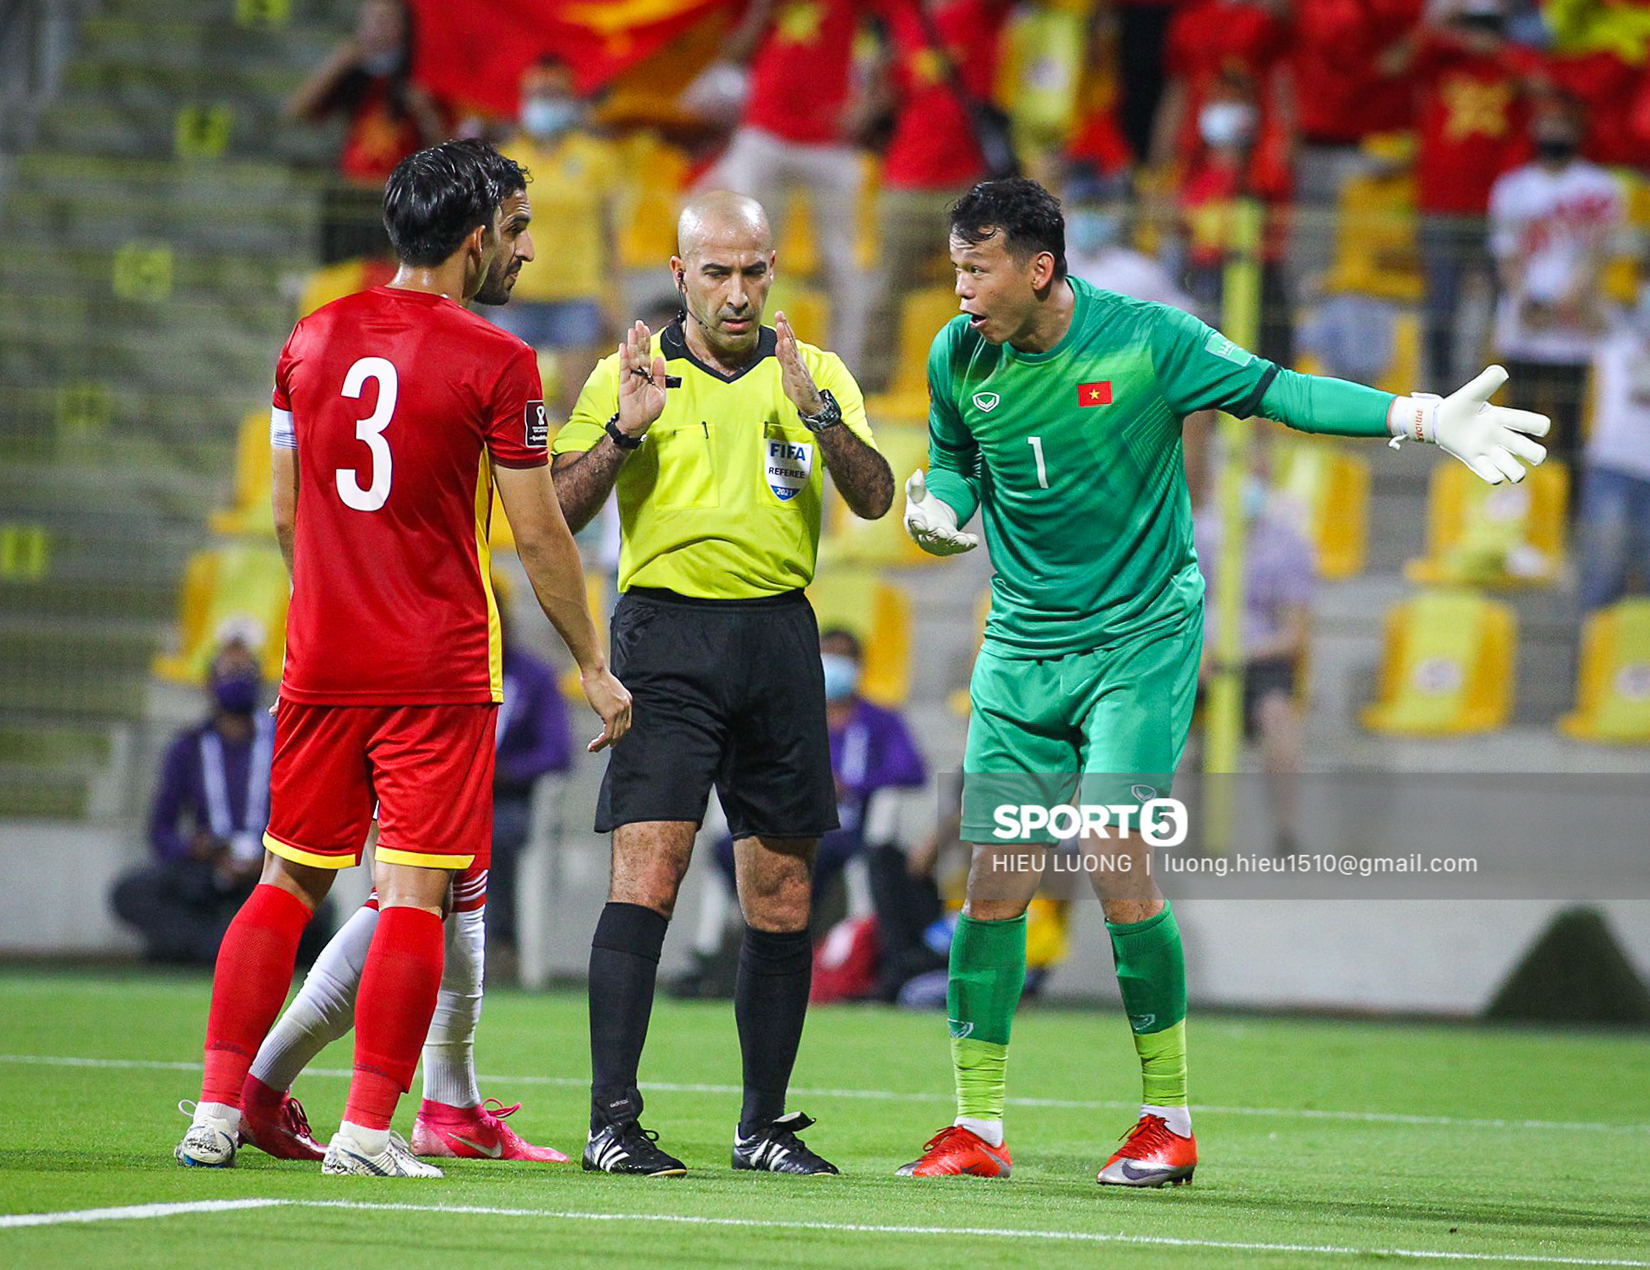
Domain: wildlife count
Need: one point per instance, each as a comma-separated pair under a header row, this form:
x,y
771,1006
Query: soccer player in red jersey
x,y
395,412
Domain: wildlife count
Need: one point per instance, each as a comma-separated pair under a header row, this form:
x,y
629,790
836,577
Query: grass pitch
x,y
1321,1143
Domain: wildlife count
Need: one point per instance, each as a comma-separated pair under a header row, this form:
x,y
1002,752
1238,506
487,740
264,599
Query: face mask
x,y
1089,232
237,694
381,64
841,676
1226,123
548,117
1254,497
1556,149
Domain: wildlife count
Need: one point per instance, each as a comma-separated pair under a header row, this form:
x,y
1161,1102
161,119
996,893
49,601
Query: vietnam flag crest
x,y
1097,393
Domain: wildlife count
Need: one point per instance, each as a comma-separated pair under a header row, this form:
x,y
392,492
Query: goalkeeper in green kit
x,y
1055,412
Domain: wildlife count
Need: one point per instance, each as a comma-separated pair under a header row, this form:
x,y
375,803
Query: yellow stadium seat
x,y
1494,535
1375,246
225,586
884,541
1333,486
250,514
921,315
1405,370
598,596
798,255
1613,683
334,282
1447,667
806,308
656,174
879,614
960,701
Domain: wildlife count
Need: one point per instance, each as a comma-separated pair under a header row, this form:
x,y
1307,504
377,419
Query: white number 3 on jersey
x,y
371,431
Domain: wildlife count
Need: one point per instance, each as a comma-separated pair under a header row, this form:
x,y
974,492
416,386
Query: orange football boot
x,y
955,1150
1152,1155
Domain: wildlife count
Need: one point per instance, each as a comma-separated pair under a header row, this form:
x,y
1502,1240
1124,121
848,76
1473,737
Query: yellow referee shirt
x,y
722,501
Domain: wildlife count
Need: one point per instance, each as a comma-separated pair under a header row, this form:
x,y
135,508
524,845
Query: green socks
x,y
1151,972
988,971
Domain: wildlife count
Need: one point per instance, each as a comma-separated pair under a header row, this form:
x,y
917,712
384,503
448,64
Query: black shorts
x,y
1261,679
726,692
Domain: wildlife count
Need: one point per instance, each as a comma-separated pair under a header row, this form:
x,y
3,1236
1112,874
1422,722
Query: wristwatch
x,y
829,416
619,438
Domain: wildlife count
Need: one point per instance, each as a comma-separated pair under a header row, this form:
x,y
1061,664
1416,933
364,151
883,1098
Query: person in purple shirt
x,y
1280,580
532,740
206,824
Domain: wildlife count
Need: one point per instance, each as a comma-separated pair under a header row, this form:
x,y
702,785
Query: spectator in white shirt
x,y
1615,492
1552,226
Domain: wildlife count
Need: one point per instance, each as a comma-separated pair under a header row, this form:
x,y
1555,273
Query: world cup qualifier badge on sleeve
x,y
537,426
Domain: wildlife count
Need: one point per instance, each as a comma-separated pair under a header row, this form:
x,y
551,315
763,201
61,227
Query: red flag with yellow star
x,y
472,55
1097,393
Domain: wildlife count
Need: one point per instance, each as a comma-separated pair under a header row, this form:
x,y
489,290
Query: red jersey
x,y
1341,93
802,71
1208,38
378,135
933,145
396,400
1471,117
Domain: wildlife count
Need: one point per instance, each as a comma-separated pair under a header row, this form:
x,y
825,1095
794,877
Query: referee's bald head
x,y
724,219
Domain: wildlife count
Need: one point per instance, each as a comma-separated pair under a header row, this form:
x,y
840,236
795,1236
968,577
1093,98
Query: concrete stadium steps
x,y
337,16
206,221
48,770
184,46
190,434
44,665
122,493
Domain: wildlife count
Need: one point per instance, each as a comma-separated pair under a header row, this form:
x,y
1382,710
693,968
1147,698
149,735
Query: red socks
x,y
392,1011
254,971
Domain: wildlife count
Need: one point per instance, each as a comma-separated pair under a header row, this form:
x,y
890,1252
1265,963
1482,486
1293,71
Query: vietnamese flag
x,y
472,55
1096,394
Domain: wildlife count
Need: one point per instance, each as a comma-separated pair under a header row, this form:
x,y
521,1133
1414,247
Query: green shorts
x,y
1108,725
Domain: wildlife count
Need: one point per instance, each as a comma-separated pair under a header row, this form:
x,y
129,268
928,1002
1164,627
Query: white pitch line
x,y
132,1212
889,1095
151,1211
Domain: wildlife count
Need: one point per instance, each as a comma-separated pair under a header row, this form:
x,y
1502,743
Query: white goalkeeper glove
x,y
1489,439
932,523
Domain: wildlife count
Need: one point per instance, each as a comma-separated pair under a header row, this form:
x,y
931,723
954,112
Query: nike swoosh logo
x,y
1140,1174
492,1153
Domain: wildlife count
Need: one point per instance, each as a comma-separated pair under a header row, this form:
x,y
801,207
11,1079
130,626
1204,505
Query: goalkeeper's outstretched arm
x,y
1494,441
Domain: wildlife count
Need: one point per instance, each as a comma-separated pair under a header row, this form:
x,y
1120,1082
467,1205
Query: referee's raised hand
x,y
641,381
798,384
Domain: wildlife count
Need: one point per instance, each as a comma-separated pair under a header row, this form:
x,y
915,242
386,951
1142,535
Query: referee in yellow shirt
x,y
716,433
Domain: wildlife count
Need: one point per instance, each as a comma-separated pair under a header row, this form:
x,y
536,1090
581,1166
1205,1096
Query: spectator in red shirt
x,y
368,79
933,157
795,133
1208,40
1348,83
1470,113
1223,169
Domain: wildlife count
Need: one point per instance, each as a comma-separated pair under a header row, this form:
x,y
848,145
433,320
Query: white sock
x,y
1179,1118
208,1112
366,1141
324,1008
449,1046
990,1130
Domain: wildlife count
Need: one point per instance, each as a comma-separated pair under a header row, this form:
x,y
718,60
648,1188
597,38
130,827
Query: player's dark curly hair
x,y
438,195
1027,215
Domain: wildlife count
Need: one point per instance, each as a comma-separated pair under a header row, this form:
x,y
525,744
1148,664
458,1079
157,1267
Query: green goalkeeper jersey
x,y
1073,457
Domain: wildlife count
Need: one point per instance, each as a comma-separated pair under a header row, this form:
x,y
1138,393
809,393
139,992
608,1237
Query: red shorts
x,y
430,768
